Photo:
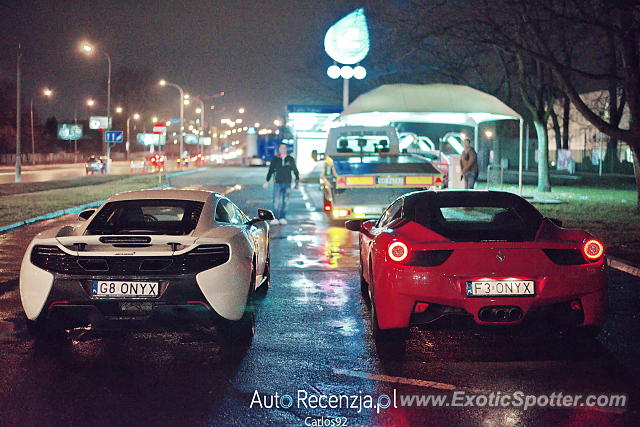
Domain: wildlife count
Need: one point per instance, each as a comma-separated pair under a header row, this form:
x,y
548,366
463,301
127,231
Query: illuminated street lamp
x,y
119,110
277,122
47,93
88,49
241,110
181,139
91,102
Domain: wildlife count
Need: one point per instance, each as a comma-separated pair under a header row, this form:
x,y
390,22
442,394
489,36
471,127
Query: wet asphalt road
x,y
312,337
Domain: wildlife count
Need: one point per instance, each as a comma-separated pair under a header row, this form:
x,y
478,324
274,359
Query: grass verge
x,y
39,200
607,213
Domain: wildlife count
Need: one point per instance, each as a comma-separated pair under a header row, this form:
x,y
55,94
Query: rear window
x,y
176,217
476,219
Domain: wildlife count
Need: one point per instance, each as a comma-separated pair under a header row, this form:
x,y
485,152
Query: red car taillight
x,y
592,249
398,251
327,207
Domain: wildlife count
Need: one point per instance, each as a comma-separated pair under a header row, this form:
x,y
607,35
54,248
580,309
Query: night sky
x,y
258,52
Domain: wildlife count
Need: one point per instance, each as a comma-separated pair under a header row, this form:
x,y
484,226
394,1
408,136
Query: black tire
x,y
364,286
43,331
582,334
384,336
266,282
241,331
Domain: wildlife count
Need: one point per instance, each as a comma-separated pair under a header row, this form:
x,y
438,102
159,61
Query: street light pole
x,y
33,141
201,122
106,147
18,106
181,139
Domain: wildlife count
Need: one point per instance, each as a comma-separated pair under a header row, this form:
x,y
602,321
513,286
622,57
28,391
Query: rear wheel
x,y
384,336
584,334
42,330
241,331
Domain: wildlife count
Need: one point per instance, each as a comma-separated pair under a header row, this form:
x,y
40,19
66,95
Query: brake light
x,y
592,249
398,251
327,207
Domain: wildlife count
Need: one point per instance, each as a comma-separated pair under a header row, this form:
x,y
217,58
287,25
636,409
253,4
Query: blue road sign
x,y
114,136
175,121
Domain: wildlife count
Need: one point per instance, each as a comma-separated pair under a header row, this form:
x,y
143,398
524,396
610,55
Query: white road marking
x,y
403,380
629,269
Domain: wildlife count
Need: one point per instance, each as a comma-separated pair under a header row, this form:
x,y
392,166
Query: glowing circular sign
x,y
347,41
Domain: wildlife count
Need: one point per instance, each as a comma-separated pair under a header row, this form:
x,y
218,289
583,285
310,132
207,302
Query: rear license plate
x,y
390,180
500,288
115,289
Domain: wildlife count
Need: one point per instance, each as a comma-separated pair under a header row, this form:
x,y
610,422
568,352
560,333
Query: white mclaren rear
x,y
177,255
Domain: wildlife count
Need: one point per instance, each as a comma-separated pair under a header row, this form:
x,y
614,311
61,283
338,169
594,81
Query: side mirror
x,y
85,214
368,225
556,221
354,224
265,215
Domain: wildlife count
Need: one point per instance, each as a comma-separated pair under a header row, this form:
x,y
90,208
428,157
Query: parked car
x,y
182,255
487,255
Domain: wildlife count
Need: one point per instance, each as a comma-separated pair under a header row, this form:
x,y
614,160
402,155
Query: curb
x,y
80,208
623,265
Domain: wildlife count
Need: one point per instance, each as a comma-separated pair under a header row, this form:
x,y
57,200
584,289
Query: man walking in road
x,y
468,165
281,168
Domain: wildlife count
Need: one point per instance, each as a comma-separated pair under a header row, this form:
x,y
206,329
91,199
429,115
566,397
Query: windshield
x,y
176,217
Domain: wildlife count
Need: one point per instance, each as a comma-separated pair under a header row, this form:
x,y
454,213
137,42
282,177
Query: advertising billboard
x,y
69,131
150,139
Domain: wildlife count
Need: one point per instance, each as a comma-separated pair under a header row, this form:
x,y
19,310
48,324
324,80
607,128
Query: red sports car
x,y
488,255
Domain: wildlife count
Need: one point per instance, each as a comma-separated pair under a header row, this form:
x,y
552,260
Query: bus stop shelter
x,y
430,103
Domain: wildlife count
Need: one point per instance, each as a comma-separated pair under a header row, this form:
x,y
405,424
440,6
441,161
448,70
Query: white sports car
x,y
149,255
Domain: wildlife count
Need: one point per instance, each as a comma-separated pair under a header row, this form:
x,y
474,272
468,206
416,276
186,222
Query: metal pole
x,y
18,106
345,93
600,157
128,133
520,162
75,141
201,126
33,143
107,145
181,123
526,153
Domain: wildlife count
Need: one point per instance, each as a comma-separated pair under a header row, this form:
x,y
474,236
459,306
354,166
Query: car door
x,y
367,238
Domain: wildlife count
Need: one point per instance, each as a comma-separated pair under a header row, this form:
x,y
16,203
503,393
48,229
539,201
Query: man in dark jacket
x,y
281,168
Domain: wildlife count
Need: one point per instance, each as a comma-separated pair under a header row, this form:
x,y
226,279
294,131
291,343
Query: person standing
x,y
468,165
281,168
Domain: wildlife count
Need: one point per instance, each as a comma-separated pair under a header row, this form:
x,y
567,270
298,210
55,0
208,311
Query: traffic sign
x,y
159,128
175,121
99,122
114,136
